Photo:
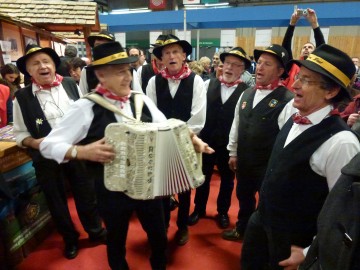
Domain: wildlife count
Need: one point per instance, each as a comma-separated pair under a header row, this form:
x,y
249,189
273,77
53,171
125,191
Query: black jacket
x,y
336,246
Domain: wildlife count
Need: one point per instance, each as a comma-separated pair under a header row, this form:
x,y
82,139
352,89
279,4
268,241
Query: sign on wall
x,y
263,37
227,38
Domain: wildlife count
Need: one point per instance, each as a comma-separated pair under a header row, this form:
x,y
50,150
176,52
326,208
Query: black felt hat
x,y
32,49
331,63
169,40
159,41
238,52
103,34
111,53
279,52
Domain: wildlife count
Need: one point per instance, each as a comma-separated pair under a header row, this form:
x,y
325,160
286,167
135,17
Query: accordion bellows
x,y
152,159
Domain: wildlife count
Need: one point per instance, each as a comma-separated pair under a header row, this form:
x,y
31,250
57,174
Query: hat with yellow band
x,y
111,53
32,49
237,52
169,40
159,41
331,63
279,52
103,35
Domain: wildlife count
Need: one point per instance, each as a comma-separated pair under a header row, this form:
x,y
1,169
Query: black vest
x,y
292,194
178,107
146,73
33,114
219,116
258,128
102,118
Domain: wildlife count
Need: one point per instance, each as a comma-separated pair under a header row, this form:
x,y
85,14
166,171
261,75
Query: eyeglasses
x,y
233,64
305,81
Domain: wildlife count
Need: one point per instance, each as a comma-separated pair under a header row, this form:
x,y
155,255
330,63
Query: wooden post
x,y
87,31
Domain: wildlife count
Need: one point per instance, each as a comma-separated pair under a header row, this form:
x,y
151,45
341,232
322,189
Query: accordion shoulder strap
x,y
139,103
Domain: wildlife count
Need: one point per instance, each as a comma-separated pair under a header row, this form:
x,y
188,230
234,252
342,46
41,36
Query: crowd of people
x,y
284,129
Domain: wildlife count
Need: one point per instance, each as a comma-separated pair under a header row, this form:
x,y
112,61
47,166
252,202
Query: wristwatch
x,y
74,152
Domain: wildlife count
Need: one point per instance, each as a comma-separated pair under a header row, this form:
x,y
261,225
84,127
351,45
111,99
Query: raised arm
x,y
313,20
289,34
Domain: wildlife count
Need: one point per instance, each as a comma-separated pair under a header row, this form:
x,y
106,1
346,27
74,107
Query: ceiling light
x,y
127,11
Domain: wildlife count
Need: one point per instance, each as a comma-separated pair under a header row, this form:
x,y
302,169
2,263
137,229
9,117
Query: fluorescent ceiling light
x,y
127,11
207,5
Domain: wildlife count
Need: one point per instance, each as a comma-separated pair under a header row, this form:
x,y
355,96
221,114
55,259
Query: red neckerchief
x,y
300,120
56,82
334,112
182,74
221,79
272,86
156,70
99,89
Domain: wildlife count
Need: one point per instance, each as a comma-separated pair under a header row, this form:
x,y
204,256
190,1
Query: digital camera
x,y
302,12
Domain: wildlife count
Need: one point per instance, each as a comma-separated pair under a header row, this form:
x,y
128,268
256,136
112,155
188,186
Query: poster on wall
x,y
5,46
227,38
29,40
6,58
11,34
121,37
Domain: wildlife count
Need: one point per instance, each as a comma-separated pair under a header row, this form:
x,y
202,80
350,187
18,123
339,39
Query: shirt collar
x,y
319,115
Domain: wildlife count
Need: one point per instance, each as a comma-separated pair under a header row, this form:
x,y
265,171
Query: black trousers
x,y
248,183
183,209
50,176
116,208
221,159
264,247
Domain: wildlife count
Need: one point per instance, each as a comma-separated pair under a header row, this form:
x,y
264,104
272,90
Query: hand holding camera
x,y
302,12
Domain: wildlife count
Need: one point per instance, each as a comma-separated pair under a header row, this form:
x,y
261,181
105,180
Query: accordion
x,y
152,159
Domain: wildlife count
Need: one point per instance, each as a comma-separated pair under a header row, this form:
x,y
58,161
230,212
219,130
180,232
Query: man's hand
x,y
312,18
294,18
200,146
352,119
98,151
32,143
232,163
295,259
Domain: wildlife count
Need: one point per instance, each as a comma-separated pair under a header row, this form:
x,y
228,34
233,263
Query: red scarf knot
x,y
57,81
301,120
231,84
272,86
107,93
184,72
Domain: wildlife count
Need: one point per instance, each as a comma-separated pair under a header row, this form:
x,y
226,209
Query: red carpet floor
x,y
205,249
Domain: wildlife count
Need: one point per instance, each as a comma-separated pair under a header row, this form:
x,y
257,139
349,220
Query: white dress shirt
x,y
54,103
198,107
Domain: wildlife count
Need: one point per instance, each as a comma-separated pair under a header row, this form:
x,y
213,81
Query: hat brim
x,y
91,39
21,62
127,60
247,61
183,43
257,54
318,69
